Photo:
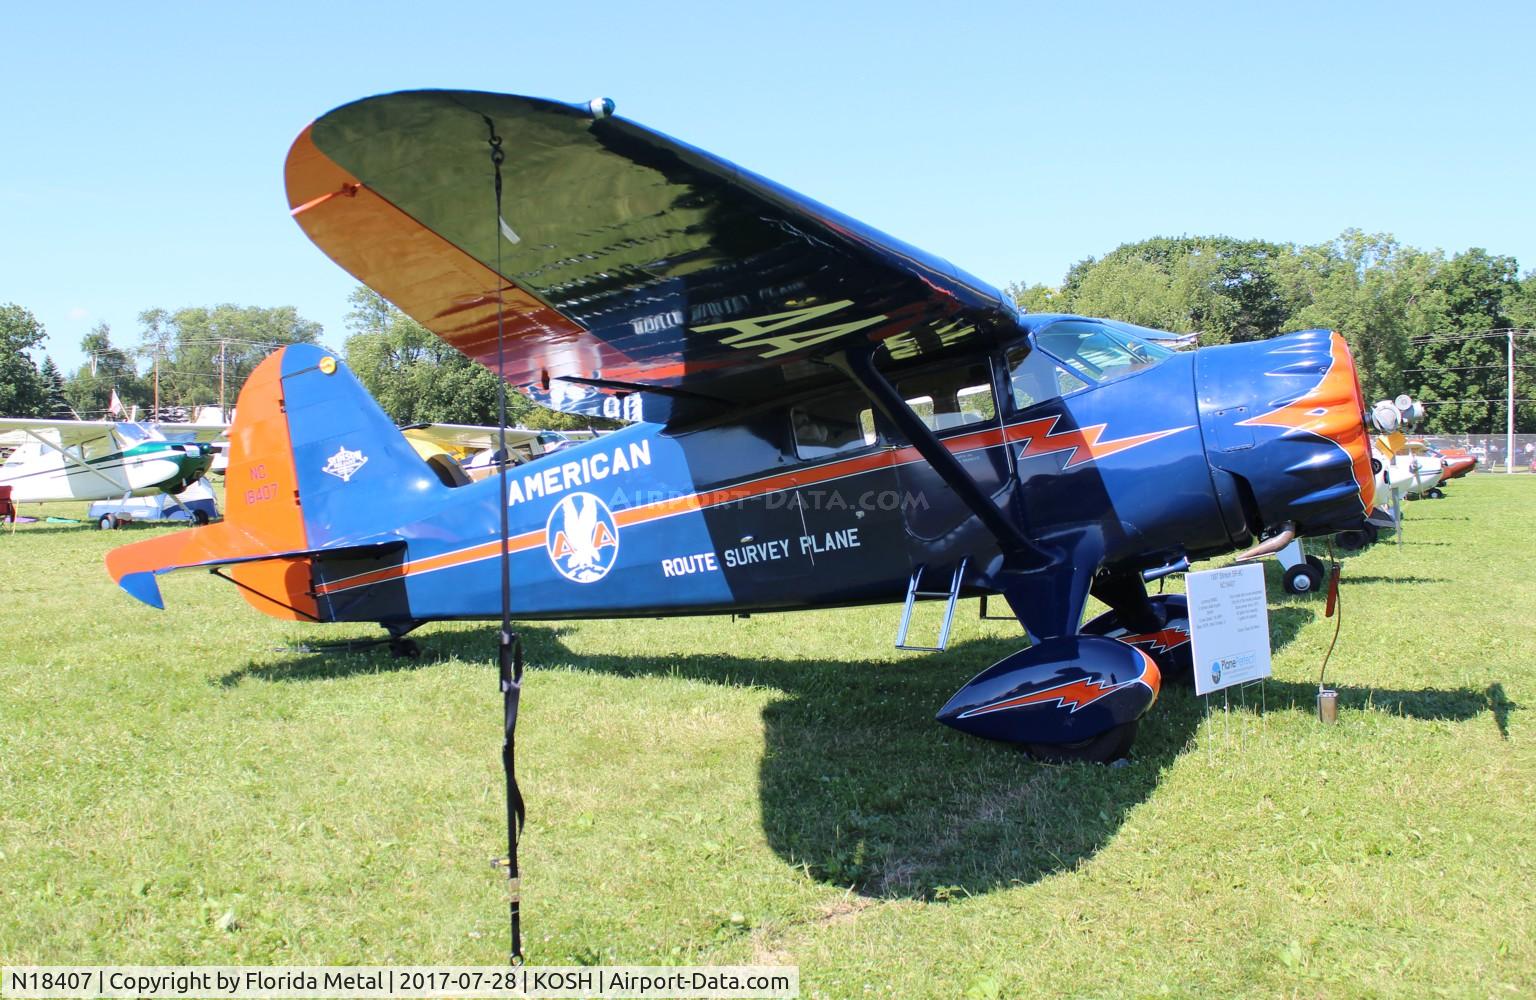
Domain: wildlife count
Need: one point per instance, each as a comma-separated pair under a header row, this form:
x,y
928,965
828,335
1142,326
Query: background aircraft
x,y
474,448
831,417
58,460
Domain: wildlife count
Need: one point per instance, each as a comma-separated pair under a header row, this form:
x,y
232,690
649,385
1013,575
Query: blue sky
x,y
141,145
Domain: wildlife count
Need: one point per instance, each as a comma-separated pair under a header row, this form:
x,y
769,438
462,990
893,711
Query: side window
x,y
828,426
953,398
1036,378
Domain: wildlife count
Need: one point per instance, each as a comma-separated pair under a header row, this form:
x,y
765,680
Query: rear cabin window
x,y
826,427
951,399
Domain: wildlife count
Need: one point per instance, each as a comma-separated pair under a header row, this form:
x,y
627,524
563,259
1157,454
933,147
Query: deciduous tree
x,y
22,392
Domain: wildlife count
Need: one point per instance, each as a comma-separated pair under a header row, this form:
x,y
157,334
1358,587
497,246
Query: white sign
x,y
1228,626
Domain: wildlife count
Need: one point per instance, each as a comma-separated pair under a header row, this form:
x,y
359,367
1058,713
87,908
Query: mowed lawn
x,y
186,787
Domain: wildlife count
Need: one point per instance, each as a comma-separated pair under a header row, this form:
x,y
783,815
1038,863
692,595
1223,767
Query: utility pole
x,y
1509,430
223,413
156,414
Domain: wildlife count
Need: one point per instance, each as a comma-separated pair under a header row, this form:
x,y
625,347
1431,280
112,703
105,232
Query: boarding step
x,y
915,591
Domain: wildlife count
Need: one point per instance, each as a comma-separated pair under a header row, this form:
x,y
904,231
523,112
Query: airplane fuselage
x,y
651,521
41,473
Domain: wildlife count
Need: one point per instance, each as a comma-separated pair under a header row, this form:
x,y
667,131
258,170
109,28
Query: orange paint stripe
x,y
446,560
960,444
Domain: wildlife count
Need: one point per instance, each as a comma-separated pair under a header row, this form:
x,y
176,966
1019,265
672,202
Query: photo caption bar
x,y
747,982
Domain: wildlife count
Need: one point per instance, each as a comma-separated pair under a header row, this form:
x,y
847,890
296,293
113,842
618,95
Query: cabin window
x,y
1034,378
1097,350
830,426
952,398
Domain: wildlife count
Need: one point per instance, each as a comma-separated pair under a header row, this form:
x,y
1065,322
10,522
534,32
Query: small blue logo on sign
x,y
1216,672
582,538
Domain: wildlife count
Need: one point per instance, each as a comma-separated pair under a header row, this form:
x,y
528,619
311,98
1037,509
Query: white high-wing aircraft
x,y
96,460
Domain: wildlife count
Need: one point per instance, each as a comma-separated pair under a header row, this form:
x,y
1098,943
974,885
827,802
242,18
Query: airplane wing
x,y
15,431
466,438
630,262
204,433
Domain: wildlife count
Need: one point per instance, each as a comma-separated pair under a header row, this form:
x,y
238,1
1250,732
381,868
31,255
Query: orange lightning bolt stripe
x,y
1167,640
1074,693
1084,444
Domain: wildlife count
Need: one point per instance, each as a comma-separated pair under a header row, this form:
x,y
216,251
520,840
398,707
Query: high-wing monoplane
x,y
96,460
827,417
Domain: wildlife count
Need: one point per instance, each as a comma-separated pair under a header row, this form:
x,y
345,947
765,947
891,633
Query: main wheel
x,y
1351,541
1105,748
1304,578
107,523
199,517
1435,493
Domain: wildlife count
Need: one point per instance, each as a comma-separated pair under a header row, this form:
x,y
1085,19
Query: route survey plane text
x,y
748,982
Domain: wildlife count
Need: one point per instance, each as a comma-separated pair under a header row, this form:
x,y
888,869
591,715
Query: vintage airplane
x,y
1457,461
473,449
1409,470
830,417
97,460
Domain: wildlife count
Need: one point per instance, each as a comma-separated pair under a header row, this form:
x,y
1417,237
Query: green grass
x,y
176,787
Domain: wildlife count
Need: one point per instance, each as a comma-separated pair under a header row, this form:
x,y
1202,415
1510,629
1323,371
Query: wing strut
x,y
1021,553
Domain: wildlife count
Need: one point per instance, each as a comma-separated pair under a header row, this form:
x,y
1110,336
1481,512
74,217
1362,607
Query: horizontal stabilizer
x,y
135,567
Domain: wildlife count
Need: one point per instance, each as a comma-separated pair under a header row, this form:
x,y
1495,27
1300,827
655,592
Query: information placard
x,y
1229,626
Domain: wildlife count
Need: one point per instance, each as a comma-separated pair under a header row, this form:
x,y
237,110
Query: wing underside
x,y
629,262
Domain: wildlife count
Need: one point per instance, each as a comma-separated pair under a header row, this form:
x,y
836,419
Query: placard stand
x,y
1229,635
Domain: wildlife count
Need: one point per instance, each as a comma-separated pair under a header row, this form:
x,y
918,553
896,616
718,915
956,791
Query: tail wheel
x,y
1105,748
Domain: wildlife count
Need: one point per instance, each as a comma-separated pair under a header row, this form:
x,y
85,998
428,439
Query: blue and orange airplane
x,y
821,416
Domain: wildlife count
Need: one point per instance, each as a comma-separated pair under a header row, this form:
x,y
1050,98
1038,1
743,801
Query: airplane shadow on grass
x,y
860,787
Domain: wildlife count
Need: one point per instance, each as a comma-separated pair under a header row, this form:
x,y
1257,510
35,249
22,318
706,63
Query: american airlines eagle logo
x,y
581,538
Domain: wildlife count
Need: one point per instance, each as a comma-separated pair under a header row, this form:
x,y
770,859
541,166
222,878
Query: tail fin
x,y
314,467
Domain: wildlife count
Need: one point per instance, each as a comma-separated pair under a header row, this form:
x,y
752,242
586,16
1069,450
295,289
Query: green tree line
x,y
1411,316
418,378
201,356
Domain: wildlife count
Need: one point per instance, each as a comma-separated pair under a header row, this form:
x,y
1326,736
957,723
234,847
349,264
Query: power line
x,y
1501,333
1462,368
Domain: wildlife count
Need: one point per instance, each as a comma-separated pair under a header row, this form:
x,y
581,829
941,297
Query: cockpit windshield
x,y
132,434
1099,351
